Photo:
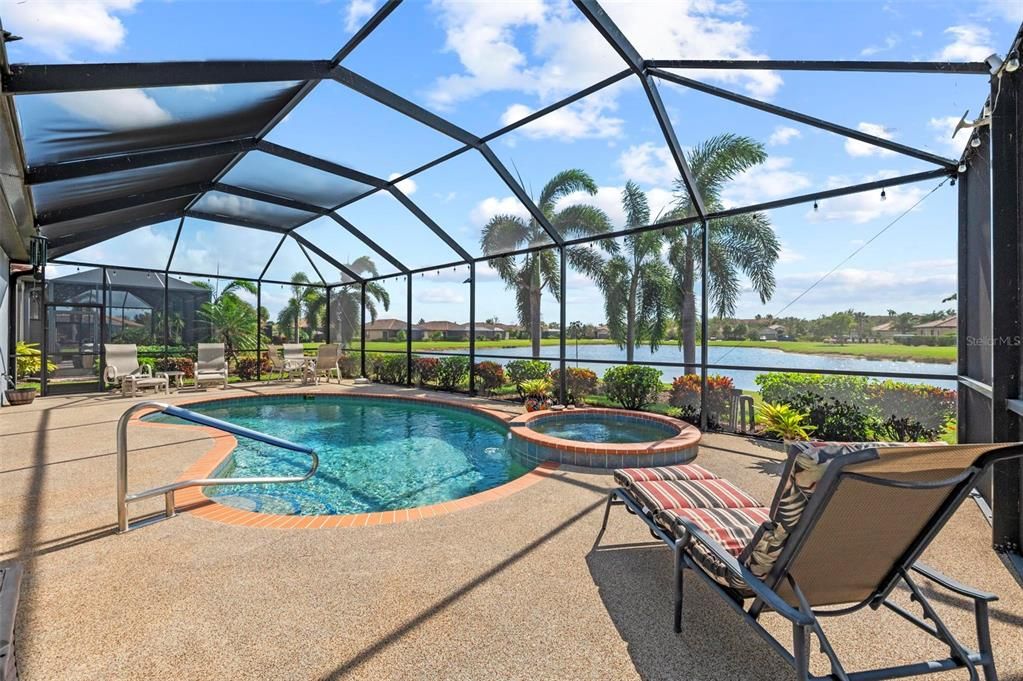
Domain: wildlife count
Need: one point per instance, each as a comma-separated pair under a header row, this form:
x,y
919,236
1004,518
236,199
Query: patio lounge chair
x,y
211,366
817,545
327,362
123,360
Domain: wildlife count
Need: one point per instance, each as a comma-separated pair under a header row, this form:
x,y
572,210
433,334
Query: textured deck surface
x,y
508,589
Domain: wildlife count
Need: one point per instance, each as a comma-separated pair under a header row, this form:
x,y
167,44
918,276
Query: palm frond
x,y
563,184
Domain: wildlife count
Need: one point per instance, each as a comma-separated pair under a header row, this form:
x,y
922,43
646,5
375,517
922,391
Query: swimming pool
x,y
589,427
375,454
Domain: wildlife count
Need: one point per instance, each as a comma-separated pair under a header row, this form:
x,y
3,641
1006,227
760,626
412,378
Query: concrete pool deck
x,y
509,589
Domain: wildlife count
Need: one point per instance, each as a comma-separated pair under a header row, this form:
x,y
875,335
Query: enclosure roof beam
x,y
272,256
805,119
326,166
121,202
976,67
428,221
305,243
236,221
520,193
53,172
364,32
26,79
310,260
596,15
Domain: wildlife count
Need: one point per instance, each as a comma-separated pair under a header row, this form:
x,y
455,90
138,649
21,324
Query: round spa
x,y
602,438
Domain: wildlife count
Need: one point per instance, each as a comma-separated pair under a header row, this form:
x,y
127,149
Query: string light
x,y
962,168
815,206
1012,63
884,196
975,141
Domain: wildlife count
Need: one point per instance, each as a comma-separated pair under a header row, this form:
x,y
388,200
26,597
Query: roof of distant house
x,y
887,326
386,325
946,323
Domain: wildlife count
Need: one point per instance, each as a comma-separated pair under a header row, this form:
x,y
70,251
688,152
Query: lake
x,y
727,355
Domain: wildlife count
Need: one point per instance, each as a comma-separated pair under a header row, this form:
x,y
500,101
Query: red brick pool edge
x,y
533,446
192,500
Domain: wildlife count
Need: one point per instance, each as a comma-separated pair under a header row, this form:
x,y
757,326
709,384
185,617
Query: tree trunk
x,y
688,315
630,320
534,319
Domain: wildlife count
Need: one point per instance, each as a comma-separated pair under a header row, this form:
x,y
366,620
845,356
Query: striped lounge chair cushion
x,y
732,528
659,495
626,477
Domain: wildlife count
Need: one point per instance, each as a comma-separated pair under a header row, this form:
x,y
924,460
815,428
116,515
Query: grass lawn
x,y
919,353
423,346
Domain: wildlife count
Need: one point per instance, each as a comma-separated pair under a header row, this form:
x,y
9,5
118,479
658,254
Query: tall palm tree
x,y
636,282
347,301
529,274
743,244
231,319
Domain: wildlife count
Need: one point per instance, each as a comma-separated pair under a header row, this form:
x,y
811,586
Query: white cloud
x,y
786,255
918,284
115,109
581,120
1009,10
357,13
866,206
649,164
944,126
439,294
493,206
889,43
547,49
782,135
407,187
969,43
858,148
769,180
59,26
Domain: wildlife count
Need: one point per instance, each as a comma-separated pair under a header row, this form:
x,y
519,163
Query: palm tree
x,y
528,275
296,307
231,319
636,283
743,244
347,301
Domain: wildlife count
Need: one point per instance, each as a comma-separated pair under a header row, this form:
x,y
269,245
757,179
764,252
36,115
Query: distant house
x,y
385,329
885,330
486,332
939,327
772,332
603,333
439,330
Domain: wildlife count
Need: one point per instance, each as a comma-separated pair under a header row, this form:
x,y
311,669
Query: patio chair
x,y
817,546
276,364
123,360
211,366
327,362
294,357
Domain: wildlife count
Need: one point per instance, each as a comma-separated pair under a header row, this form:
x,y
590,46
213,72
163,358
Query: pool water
x,y
375,454
597,429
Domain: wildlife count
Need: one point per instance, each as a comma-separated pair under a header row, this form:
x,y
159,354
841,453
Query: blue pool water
x,y
375,455
593,428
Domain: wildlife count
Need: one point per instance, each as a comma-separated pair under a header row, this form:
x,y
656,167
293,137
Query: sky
x,y
484,65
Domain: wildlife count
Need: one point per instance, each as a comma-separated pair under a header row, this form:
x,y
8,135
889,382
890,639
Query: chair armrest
x,y
146,370
951,584
761,590
110,373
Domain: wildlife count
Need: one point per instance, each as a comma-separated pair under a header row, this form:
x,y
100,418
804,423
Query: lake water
x,y
730,355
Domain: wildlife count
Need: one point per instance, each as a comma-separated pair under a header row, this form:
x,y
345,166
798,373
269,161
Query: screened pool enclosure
x,y
214,173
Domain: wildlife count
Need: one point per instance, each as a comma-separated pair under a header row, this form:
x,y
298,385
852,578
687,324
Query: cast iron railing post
x,y
44,311
259,331
408,330
362,330
704,352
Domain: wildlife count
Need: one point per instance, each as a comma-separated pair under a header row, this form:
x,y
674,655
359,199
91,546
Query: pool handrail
x,y
123,498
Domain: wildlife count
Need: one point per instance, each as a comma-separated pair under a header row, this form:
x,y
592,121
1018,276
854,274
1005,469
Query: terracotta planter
x,y
20,396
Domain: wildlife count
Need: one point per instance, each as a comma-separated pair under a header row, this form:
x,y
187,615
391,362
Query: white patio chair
x,y
212,365
123,360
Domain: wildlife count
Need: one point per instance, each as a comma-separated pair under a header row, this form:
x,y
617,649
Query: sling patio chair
x,y
122,360
846,527
327,362
211,366
277,365
294,357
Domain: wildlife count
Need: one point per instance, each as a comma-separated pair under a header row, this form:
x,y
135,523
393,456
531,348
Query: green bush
x,y
246,367
184,364
520,370
452,371
349,366
783,387
910,412
425,369
687,388
489,376
633,387
578,382
393,369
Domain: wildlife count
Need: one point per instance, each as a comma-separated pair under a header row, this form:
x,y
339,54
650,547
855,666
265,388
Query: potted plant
x,y
29,358
537,393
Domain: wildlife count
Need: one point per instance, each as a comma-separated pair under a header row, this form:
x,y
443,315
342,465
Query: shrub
x,y
349,366
783,387
425,369
245,367
633,387
393,369
489,376
187,365
909,412
784,422
520,370
578,382
29,360
452,371
685,394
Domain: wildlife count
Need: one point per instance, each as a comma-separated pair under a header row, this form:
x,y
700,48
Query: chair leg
x,y
980,609
801,652
679,577
603,525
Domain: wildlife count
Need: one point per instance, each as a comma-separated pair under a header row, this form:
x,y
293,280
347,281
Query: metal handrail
x,y
123,498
